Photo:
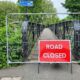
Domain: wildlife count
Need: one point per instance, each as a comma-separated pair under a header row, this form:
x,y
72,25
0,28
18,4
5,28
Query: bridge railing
x,y
33,33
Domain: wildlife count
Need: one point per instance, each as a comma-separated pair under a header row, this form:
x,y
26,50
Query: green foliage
x,y
42,6
72,5
15,46
5,8
2,47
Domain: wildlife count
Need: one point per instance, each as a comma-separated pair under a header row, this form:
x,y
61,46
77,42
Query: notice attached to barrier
x,y
54,51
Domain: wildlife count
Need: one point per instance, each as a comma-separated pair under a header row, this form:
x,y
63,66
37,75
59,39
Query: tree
x,y
42,6
72,5
5,8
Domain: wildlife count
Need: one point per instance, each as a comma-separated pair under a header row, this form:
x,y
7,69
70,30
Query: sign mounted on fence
x,y
54,51
26,3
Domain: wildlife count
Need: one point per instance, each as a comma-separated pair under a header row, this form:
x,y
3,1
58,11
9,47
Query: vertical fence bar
x,y
33,32
7,43
63,30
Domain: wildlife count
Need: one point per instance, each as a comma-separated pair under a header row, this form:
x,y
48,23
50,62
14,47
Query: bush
x,y
5,8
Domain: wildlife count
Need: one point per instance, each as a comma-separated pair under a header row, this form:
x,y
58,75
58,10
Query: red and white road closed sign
x,y
54,51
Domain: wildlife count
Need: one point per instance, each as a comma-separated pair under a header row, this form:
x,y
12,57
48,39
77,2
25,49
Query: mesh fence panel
x,y
24,30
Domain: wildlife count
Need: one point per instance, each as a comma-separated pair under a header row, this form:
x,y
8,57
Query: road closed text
x,y
54,55
54,51
52,46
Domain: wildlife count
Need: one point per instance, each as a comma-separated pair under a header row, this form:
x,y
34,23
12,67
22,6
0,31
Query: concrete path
x,y
11,78
47,72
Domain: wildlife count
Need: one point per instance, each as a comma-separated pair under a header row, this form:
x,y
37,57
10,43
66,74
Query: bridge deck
x,y
46,34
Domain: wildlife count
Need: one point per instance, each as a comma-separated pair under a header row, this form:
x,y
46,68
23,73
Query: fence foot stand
x,y
67,66
38,68
71,68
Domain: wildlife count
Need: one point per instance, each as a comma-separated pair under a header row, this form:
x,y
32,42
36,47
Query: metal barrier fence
x,y
22,34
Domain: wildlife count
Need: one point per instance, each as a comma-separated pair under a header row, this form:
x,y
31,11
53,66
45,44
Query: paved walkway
x,y
47,72
11,78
